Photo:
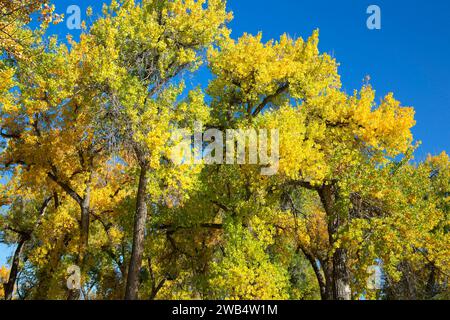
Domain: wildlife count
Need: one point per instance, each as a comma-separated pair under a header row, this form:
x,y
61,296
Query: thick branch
x,y
67,189
282,89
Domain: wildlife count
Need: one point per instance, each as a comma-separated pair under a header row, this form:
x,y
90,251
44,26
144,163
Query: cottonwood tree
x,y
47,119
86,130
327,136
139,52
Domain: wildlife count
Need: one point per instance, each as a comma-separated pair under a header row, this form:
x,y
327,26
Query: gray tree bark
x,y
339,273
132,287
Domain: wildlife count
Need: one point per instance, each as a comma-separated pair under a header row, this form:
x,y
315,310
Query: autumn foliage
x,y
87,181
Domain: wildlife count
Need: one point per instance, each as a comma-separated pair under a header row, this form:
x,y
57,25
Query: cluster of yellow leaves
x,y
3,279
386,128
300,156
52,233
322,129
258,69
14,16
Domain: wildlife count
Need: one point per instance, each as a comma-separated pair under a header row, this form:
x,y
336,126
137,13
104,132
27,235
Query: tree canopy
x,y
86,129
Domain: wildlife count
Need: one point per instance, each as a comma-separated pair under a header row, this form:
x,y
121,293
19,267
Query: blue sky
x,y
409,56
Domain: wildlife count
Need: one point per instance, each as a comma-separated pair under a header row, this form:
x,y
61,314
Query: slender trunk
x,y
431,283
321,280
138,238
328,271
9,286
156,289
24,237
84,231
318,272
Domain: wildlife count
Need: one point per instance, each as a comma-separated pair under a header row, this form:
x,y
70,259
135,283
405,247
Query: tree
x,y
86,145
329,139
14,15
152,43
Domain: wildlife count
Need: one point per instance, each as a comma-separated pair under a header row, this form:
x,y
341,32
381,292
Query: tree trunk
x,y
84,232
341,276
338,272
328,271
430,290
321,279
138,238
24,237
156,289
9,286
85,206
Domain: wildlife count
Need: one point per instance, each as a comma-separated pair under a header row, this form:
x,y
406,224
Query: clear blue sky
x,y
409,56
